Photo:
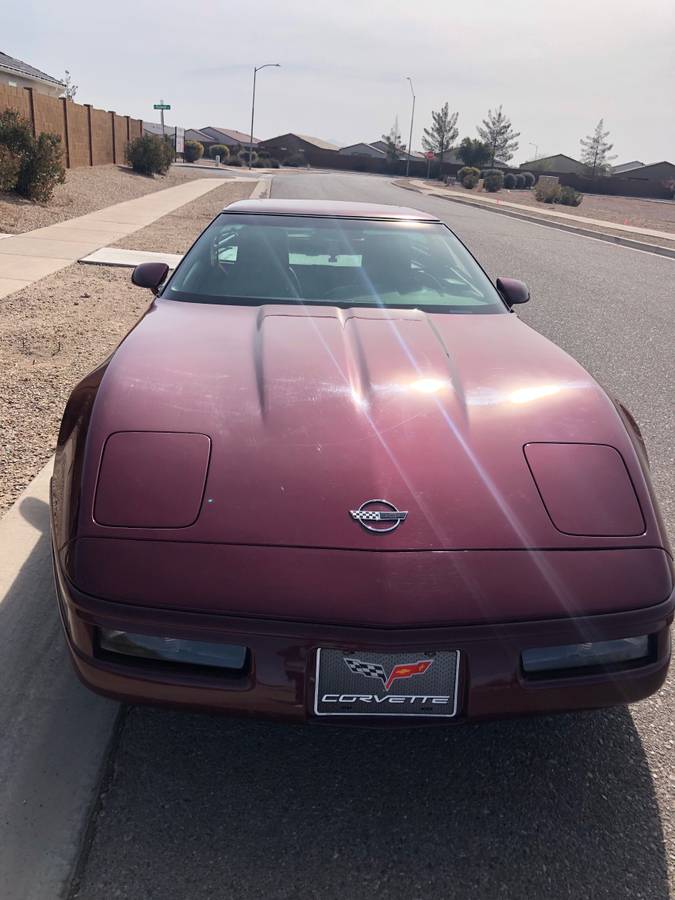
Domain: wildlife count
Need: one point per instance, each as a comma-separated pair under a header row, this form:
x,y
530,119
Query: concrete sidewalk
x,y
440,191
25,258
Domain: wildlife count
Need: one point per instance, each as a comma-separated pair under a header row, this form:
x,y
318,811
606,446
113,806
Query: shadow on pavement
x,y
206,807
53,733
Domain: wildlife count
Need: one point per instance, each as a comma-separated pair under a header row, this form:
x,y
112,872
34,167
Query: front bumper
x,y
279,679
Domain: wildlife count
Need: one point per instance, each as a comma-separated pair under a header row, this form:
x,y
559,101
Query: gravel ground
x,y
621,210
84,191
55,331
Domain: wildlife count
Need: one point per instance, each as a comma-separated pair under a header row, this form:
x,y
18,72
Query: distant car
x,y
331,477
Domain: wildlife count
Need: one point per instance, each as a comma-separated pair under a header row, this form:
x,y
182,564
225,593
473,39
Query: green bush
x,y
547,193
467,170
42,168
221,150
275,164
10,164
529,179
570,197
493,181
509,181
244,157
235,161
149,154
16,133
260,163
521,181
193,151
468,177
31,167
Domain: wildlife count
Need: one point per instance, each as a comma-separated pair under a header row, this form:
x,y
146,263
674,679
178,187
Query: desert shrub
x,y
467,170
468,177
529,179
193,151
547,193
521,181
244,156
570,197
30,166
16,132
235,161
10,165
221,150
509,181
149,154
41,168
493,181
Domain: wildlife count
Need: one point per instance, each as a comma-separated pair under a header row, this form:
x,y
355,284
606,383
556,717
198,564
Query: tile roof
x,y
9,63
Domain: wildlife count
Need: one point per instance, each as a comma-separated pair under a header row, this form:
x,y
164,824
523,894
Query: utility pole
x,y
536,150
412,117
256,69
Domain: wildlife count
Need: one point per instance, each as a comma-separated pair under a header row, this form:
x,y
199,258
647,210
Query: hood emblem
x,y
368,516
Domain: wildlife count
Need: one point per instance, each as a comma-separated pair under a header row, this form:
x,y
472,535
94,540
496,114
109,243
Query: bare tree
x,y
499,136
595,151
69,89
443,132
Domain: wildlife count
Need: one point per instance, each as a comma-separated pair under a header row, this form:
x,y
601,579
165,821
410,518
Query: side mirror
x,y
150,275
512,290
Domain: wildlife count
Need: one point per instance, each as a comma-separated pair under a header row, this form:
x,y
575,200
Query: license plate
x,y
386,684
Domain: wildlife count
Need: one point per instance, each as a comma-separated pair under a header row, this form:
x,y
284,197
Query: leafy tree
x,y
443,132
394,148
595,151
473,152
70,89
499,136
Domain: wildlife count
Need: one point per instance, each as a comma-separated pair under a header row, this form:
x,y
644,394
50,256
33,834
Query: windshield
x,y
337,262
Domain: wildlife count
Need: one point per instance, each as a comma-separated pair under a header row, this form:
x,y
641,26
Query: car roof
x,y
328,209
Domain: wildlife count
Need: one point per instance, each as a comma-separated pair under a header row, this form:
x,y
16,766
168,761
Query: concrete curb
x,y
54,734
633,244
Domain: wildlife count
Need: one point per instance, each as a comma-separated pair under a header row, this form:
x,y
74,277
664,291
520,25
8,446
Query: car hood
x,y
312,411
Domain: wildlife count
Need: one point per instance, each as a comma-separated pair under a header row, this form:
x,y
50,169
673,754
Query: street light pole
x,y
256,69
536,150
412,117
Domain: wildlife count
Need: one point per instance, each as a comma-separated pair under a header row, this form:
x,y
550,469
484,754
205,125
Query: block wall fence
x,y
90,136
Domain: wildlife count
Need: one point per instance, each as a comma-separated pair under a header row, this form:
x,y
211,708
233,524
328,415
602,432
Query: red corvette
x,y
331,477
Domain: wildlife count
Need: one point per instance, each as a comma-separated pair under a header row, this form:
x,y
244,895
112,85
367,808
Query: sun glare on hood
x,y
526,395
429,385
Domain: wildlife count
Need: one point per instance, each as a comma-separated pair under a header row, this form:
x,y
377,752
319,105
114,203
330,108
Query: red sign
x,y
429,154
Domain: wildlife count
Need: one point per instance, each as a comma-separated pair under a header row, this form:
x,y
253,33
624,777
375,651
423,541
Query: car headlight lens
x,y
581,656
175,650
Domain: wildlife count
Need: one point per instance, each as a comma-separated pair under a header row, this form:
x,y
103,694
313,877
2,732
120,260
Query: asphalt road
x,y
574,806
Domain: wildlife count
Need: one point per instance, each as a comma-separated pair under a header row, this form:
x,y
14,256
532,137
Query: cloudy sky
x,y
556,72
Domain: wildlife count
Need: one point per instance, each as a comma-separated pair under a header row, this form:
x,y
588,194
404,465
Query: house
x,y
659,172
288,144
558,163
362,149
194,134
626,167
228,136
19,74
